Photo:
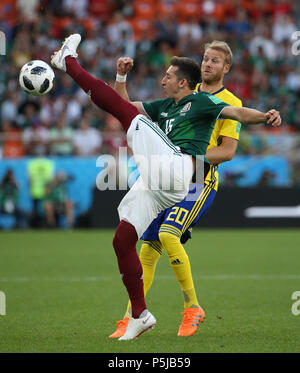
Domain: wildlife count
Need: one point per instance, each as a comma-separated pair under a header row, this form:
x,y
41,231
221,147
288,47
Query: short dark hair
x,y
187,69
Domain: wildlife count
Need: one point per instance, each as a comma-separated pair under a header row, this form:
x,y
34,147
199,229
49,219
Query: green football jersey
x,y
189,122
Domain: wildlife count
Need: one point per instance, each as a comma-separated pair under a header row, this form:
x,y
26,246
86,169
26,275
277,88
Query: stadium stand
x,y
265,74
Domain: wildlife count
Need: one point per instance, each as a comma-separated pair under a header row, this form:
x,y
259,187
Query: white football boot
x,y
136,327
68,48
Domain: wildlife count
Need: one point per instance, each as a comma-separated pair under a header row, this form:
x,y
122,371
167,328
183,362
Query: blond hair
x,y
220,46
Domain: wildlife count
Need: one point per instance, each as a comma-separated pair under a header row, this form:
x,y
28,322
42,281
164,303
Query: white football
x,y
36,77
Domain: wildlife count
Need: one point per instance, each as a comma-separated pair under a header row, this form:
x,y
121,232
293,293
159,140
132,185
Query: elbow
x,y
240,115
240,118
226,159
228,156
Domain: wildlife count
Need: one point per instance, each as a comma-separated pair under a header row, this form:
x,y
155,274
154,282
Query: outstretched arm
x,y
251,116
124,65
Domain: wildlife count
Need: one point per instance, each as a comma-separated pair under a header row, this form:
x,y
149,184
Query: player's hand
x,y
124,65
273,118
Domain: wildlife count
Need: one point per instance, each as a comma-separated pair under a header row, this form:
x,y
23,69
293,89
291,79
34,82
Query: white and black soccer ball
x,y
36,77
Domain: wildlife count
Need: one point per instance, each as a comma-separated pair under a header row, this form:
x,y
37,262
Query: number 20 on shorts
x,y
178,215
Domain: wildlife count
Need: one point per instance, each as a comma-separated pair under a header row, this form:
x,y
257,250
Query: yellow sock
x,y
149,255
181,266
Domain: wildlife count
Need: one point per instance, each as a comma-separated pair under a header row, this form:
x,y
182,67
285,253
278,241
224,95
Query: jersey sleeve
x,y
153,109
212,106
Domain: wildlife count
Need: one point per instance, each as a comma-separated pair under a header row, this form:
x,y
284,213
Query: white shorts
x,y
165,174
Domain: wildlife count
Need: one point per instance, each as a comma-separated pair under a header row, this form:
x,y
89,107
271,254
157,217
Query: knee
x,y
118,243
168,239
172,245
116,240
150,253
125,238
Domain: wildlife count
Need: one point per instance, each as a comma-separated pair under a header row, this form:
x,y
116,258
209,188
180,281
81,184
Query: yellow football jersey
x,y
223,127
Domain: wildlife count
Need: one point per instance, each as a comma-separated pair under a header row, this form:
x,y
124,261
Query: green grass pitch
x,y
64,293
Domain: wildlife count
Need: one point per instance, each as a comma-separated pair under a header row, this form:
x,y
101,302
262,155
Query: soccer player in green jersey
x,y
173,226
174,158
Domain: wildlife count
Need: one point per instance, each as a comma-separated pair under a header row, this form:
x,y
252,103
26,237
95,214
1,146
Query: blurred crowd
x,y
48,193
265,73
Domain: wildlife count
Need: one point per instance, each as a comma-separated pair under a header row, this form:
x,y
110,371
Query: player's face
x,y
170,82
213,67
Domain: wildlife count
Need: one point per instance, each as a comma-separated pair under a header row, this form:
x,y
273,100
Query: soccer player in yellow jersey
x,y
173,226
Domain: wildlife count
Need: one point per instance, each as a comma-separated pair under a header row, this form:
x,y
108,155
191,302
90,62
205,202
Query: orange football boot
x,y
121,328
192,317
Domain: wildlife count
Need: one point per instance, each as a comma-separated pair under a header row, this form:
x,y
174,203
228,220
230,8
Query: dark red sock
x,y
130,266
102,94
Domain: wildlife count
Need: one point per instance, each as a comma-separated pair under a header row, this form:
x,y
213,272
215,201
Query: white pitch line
x,y
220,277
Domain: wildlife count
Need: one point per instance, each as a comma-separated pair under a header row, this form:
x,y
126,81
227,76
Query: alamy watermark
x,y
296,305
158,172
2,43
296,44
2,304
